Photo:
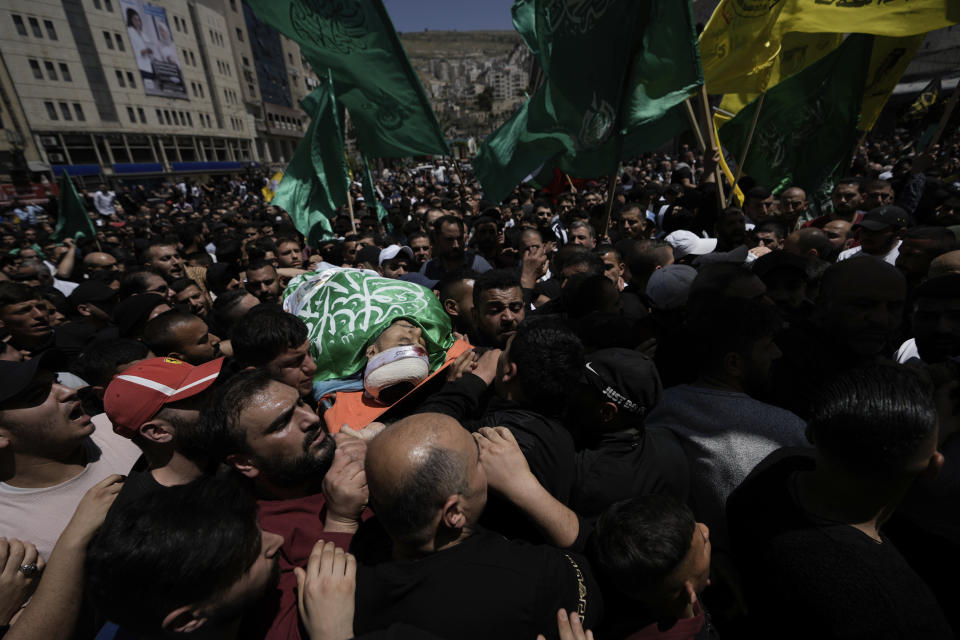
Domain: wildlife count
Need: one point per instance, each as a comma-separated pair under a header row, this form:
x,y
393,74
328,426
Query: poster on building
x,y
153,47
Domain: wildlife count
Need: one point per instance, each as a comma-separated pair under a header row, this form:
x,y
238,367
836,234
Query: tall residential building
x,y
131,87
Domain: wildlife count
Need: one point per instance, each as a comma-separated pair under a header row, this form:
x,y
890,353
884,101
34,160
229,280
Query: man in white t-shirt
x,y
50,453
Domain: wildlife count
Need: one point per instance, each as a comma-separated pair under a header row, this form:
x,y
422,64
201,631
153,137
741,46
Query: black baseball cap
x,y
625,377
884,217
16,377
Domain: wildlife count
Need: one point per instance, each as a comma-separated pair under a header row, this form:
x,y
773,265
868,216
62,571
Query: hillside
x,y
426,45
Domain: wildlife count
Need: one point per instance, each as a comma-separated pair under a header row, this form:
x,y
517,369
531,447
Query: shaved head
x,y
417,469
945,263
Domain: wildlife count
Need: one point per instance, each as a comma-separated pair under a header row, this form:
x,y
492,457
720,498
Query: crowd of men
x,y
672,419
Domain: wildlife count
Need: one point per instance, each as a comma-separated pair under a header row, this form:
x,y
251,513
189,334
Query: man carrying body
x,y
429,487
309,486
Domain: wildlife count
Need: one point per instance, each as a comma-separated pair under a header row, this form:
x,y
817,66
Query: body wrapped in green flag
x,y
611,69
72,219
315,183
346,309
808,123
372,75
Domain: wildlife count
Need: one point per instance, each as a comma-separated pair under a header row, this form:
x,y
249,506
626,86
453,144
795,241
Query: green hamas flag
x,y
347,309
371,199
315,183
612,70
72,219
808,122
373,77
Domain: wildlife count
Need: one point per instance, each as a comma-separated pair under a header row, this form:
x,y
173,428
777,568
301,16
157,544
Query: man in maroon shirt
x,y
309,486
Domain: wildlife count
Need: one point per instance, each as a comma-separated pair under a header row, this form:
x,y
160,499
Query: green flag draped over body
x,y
611,68
72,219
347,309
315,183
373,77
808,123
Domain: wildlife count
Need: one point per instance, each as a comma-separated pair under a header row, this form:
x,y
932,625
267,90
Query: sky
x,y
447,15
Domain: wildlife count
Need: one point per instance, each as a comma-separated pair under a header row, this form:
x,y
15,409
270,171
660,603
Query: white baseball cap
x,y
687,243
393,251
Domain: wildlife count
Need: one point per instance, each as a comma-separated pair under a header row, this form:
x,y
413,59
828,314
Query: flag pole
x,y
611,190
456,165
701,143
945,118
353,222
746,146
573,189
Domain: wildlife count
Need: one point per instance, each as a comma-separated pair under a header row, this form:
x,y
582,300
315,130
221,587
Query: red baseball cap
x,y
136,395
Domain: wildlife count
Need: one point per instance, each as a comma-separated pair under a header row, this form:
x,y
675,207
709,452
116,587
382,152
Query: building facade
x,y
130,87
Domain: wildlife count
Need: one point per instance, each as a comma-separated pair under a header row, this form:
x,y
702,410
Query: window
x,y
176,118
131,115
35,27
130,81
290,57
233,5
240,34
166,116
65,111
51,31
51,70
246,62
96,5
200,89
51,111
141,115
120,80
119,42
78,111
189,119
65,72
18,23
109,5
184,24
108,40
160,116
35,67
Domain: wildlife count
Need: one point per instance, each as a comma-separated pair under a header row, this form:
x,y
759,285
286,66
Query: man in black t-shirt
x,y
428,488
806,529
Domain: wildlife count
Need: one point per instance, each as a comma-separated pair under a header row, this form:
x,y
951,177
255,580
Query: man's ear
x,y
185,619
453,516
510,373
691,596
156,431
934,464
84,309
371,351
608,411
733,364
243,464
451,307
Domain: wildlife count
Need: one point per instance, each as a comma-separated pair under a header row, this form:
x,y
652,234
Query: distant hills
x,y
458,44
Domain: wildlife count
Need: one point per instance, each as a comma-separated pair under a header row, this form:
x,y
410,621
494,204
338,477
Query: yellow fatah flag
x,y
889,60
743,39
896,18
271,189
725,168
739,45
797,52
